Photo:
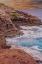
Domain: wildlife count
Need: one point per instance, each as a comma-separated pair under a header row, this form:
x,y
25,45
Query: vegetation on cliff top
x,y
15,14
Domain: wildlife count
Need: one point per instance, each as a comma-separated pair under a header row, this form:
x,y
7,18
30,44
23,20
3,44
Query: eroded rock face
x,y
6,24
26,19
15,57
7,28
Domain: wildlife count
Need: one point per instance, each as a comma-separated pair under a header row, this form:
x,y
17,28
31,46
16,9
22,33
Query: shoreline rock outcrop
x,y
15,56
26,19
7,28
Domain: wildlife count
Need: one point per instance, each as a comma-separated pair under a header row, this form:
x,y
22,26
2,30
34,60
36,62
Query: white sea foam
x,y
34,31
31,32
35,48
35,54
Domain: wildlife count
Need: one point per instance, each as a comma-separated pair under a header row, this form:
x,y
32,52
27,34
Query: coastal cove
x,y
31,40
20,37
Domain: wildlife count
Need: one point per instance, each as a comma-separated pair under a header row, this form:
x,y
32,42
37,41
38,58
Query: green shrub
x,y
15,15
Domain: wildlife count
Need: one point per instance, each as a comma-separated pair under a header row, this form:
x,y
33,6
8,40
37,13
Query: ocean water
x,y
31,40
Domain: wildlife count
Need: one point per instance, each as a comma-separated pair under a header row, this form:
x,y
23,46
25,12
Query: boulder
x,y
15,56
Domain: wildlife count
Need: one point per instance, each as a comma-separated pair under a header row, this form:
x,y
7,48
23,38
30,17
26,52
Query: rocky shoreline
x,y
10,20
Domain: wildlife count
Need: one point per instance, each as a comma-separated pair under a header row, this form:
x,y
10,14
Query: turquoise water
x,y
38,43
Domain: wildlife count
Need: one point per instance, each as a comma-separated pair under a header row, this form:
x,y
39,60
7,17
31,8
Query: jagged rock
x,y
26,19
6,24
7,28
